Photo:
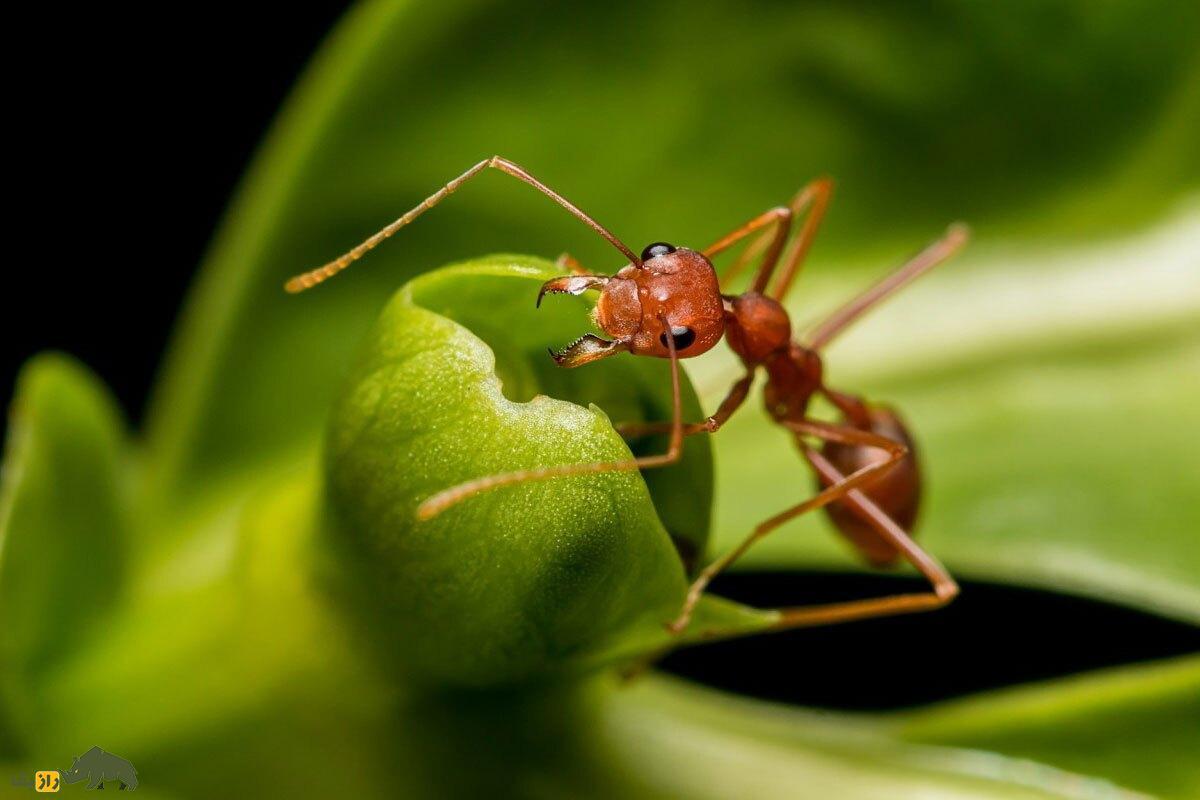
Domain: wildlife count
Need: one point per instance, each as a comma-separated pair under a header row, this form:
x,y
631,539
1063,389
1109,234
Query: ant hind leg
x,y
943,587
836,491
937,253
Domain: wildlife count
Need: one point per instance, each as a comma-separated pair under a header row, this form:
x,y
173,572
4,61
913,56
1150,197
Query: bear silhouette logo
x,y
97,767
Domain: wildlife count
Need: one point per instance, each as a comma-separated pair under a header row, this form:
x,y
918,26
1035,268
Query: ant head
x,y
673,292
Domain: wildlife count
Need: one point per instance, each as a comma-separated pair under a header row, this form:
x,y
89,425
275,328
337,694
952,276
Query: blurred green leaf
x,y
63,521
1138,726
691,742
237,673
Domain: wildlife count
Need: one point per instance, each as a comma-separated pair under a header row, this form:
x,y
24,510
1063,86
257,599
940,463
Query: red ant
x,y
667,303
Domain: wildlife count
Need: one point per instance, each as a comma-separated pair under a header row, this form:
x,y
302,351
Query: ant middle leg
x,y
732,402
831,493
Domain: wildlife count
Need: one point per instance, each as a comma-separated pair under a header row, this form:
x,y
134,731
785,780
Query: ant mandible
x,y
668,303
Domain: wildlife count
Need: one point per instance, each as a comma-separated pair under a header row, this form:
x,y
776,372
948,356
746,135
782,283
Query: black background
x,y
130,133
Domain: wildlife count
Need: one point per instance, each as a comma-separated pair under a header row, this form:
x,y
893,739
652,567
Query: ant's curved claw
x,y
585,349
571,284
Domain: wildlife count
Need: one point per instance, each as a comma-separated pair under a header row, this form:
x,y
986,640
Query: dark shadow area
x,y
992,636
132,128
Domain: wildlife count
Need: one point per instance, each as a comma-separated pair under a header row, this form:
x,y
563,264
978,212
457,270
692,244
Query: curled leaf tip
x,y
551,576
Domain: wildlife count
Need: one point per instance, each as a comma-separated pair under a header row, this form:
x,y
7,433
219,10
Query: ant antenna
x,y
323,273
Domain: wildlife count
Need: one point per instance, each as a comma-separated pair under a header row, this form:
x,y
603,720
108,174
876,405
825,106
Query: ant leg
x,y
732,402
854,409
944,587
940,251
320,274
781,218
456,494
747,255
814,198
835,491
571,264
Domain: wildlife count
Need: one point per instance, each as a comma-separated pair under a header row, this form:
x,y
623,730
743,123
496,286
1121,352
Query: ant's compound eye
x,y
657,249
683,337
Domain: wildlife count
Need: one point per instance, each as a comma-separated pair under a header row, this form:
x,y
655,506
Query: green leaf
x,y
63,519
1138,726
685,741
224,661
537,577
1054,423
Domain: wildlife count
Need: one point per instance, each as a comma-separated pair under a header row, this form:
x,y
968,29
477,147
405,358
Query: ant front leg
x,y
815,199
446,498
732,402
781,218
836,491
811,200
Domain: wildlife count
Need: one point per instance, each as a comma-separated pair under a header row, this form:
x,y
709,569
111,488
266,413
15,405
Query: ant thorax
x,y
758,327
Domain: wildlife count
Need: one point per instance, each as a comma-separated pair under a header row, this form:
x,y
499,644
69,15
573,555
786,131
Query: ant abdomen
x,y
897,492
